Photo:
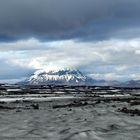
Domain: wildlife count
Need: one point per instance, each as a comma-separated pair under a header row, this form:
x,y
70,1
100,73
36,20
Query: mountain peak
x,y
61,76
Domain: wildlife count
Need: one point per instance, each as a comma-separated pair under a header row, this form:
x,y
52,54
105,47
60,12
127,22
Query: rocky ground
x,y
69,113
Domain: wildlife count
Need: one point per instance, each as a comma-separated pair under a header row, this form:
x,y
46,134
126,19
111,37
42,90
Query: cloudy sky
x,y
99,37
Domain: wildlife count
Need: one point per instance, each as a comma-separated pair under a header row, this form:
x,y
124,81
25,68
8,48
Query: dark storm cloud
x,y
63,19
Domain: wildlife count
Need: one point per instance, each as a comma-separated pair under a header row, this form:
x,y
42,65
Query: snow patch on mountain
x,y
63,76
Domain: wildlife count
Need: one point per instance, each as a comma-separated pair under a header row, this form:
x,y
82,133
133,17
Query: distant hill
x,y
131,83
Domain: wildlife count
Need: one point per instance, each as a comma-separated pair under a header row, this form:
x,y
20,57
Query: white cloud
x,y
121,55
109,76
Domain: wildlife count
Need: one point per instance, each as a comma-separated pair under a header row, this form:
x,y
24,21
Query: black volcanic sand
x,y
70,120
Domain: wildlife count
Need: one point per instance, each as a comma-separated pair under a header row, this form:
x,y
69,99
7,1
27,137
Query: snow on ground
x,y
100,122
69,113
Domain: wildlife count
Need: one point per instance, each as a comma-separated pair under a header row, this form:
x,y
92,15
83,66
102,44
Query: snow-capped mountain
x,y
64,76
